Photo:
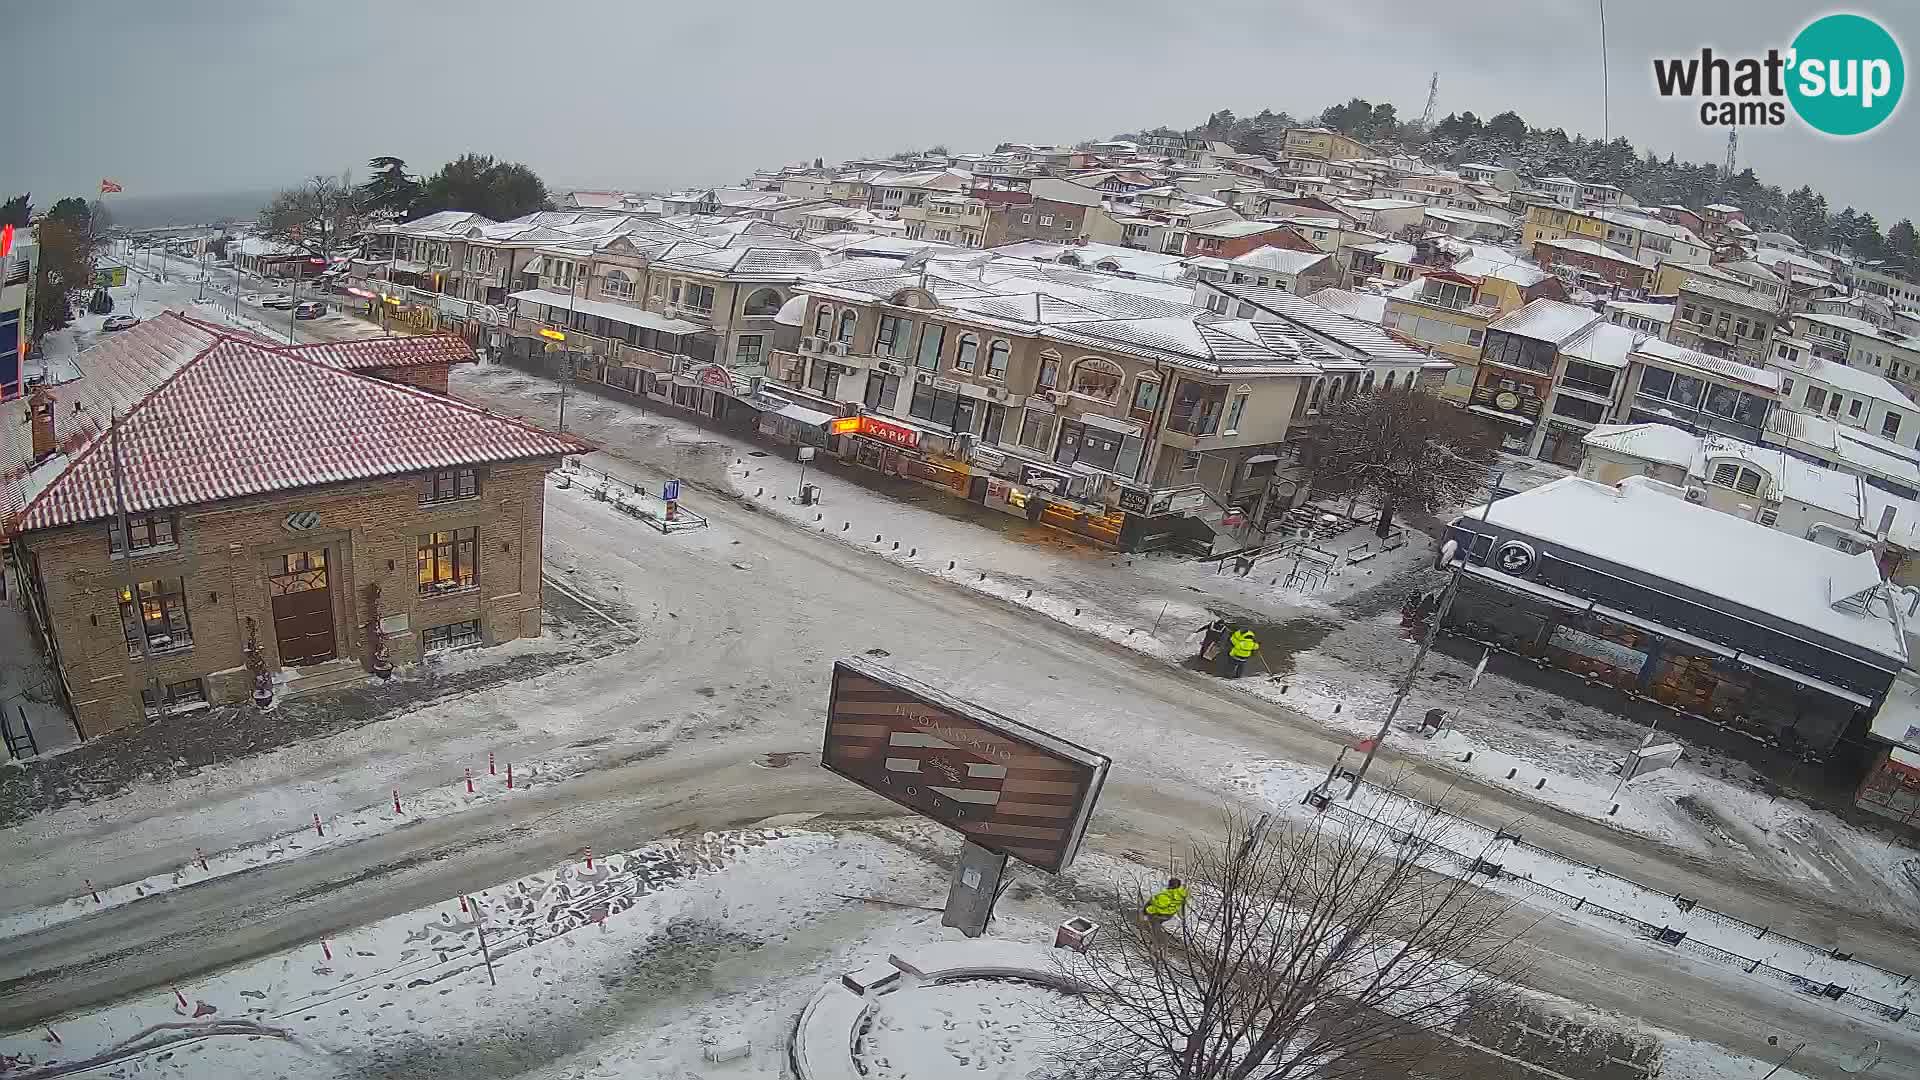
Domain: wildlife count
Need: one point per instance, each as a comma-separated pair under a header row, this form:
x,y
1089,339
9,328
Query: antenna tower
x,y
1433,100
1733,152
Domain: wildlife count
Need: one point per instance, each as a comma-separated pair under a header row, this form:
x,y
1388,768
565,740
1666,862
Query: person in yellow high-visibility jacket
x,y
1166,903
1240,648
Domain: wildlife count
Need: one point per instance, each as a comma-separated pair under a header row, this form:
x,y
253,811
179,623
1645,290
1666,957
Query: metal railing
x,y
1669,934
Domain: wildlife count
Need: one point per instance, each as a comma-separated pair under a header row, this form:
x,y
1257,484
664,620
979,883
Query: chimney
x,y
40,412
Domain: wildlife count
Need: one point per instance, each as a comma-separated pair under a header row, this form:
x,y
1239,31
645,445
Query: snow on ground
x,y
1522,863
332,831
633,967
1342,676
29,687
985,1028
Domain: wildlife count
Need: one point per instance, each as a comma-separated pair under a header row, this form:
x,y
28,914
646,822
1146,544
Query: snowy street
x,y
706,715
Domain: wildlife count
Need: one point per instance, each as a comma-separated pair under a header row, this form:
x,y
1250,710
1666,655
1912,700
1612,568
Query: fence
x,y
1676,937
630,498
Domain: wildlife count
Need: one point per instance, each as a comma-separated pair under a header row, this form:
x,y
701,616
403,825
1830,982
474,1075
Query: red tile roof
x,y
236,418
368,354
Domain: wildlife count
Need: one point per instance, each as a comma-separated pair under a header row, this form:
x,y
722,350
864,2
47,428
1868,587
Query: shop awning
x,y
1808,681
804,415
624,314
1652,627
1262,459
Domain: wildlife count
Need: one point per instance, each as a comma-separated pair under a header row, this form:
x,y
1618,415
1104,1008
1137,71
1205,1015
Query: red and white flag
x,y
108,187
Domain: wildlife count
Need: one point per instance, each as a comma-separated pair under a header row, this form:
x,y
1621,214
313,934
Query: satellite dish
x,y
1447,552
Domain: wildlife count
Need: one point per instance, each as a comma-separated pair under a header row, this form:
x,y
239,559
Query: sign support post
x,y
976,885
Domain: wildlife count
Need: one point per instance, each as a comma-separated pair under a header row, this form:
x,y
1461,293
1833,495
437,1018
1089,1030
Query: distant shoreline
x,y
152,211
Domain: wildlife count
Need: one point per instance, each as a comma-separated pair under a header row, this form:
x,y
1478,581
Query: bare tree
x,y
1325,951
317,217
1406,449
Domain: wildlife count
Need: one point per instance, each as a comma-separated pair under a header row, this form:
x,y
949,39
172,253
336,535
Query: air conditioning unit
x,y
996,393
837,348
810,344
1059,397
888,367
1696,495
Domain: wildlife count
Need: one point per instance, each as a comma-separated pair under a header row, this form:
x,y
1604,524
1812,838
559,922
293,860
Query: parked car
x,y
119,322
278,301
311,309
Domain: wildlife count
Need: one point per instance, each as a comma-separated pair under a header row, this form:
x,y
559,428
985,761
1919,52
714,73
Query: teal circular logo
x,y
1847,74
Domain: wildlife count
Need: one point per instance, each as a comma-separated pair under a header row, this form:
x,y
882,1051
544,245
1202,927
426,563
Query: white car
x,y
278,301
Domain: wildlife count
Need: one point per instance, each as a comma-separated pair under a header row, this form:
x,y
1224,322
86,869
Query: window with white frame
x,y
617,284
997,359
964,352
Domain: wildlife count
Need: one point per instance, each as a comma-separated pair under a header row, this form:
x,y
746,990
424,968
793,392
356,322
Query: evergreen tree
x,y
389,194
1508,127
17,211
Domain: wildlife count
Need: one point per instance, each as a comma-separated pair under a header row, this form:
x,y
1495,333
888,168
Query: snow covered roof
x,y
1232,229
1595,248
625,314
1730,294
1380,204
215,415
1801,481
1859,382
375,353
1506,269
1547,320
1724,208
1657,312
1358,339
1661,443
1858,449
1367,307
1281,260
1740,564
1603,343
1670,353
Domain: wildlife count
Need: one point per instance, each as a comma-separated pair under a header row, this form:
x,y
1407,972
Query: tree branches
x,y
1309,952
317,217
1404,448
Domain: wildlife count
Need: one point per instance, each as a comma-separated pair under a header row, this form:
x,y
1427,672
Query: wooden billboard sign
x,y
1005,786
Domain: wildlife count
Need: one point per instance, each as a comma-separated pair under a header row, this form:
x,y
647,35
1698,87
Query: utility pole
x,y
1426,643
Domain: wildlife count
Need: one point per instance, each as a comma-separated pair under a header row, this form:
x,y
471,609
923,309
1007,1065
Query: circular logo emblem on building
x,y
302,520
1506,400
1846,76
1513,557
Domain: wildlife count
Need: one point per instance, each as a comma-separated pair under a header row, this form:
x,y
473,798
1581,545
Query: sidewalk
x,y
1335,650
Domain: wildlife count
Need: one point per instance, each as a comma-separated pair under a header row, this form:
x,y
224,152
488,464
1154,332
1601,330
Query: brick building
x,y
277,496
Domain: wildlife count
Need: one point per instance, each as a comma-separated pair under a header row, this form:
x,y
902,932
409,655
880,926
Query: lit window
x,y
447,560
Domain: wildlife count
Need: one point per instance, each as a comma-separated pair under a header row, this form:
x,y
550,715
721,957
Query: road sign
x,y
670,492
1007,787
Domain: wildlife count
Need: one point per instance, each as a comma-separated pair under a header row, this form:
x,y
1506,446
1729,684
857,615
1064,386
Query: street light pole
x,y
1426,643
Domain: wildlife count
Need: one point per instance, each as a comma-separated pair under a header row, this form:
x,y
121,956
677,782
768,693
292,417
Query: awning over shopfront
x,y
1808,681
625,314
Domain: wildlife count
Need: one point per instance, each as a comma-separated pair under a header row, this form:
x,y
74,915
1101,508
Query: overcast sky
x,y
180,96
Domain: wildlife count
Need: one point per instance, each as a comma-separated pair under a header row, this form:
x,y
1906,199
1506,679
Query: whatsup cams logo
x,y
1843,75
